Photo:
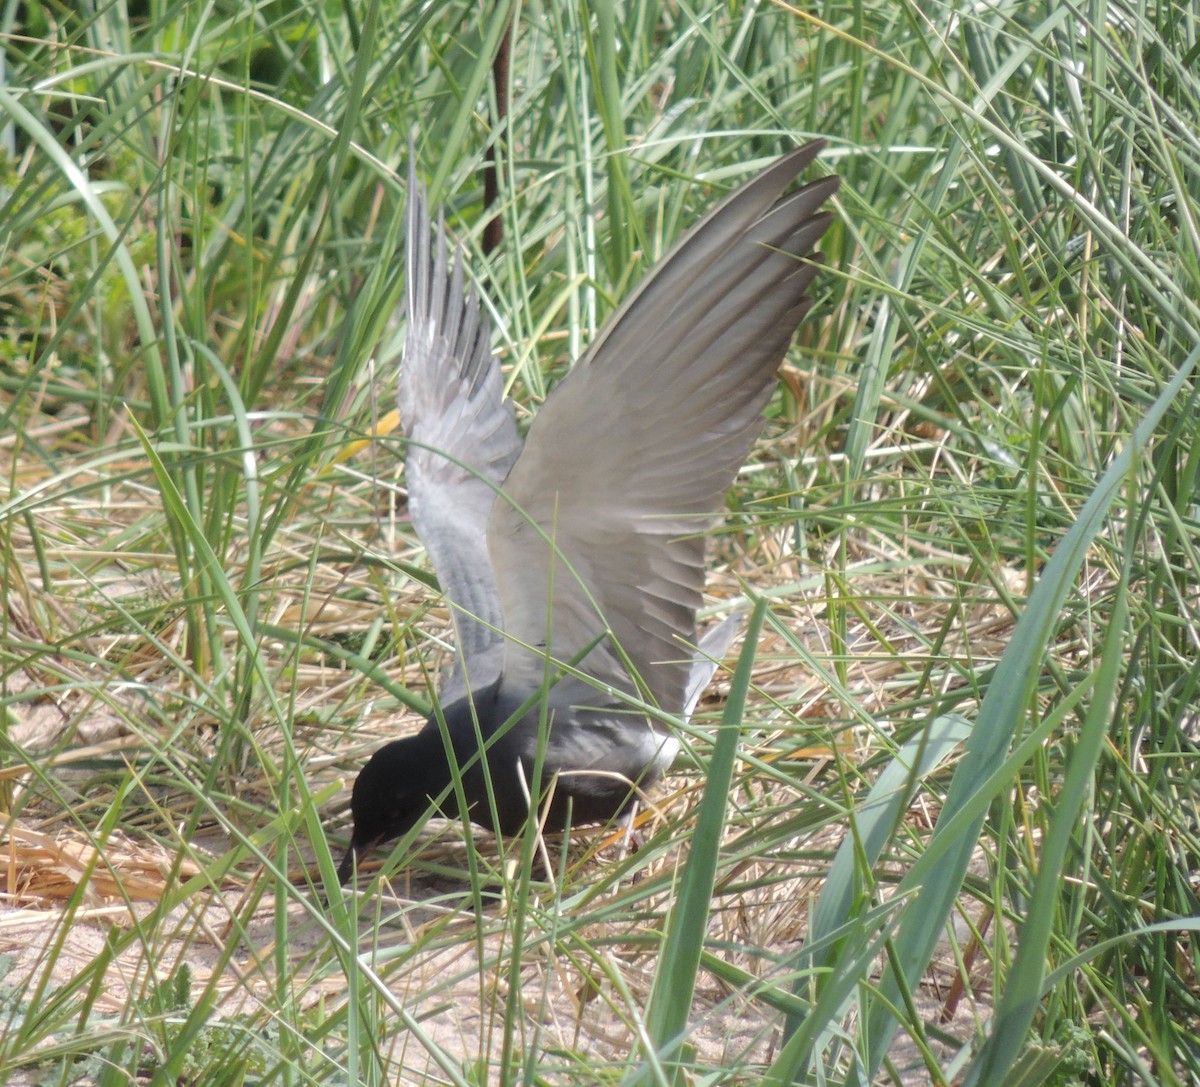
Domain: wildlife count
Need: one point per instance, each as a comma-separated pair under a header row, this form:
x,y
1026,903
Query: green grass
x,y
959,834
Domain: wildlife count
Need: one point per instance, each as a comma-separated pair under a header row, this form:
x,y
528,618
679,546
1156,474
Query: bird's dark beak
x,y
357,849
346,868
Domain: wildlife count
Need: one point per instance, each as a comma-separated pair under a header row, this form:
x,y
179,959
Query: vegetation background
x,y
947,827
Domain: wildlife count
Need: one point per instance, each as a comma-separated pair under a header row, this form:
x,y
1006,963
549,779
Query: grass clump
x,y
960,835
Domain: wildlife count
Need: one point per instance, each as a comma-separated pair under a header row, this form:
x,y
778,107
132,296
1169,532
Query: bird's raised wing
x,y
597,540
462,440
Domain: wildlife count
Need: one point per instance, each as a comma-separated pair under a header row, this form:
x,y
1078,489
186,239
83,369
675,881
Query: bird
x,y
573,561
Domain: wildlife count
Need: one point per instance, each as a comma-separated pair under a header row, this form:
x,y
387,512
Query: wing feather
x,y
599,531
462,439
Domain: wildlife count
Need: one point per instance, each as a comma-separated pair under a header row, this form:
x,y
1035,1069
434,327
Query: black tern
x,y
574,561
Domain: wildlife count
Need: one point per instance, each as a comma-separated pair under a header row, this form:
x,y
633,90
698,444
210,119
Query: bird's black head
x,y
393,791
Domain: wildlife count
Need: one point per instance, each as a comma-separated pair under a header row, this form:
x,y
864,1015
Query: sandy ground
x,y
454,980
447,972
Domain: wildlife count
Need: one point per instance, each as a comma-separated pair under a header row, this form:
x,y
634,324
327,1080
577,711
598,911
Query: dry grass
x,y
961,831
449,967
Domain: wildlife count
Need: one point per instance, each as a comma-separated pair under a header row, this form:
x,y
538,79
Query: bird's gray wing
x,y
462,440
597,540
712,647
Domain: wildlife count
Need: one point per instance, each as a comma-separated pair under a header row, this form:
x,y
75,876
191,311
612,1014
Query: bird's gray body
x,y
574,561
591,762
